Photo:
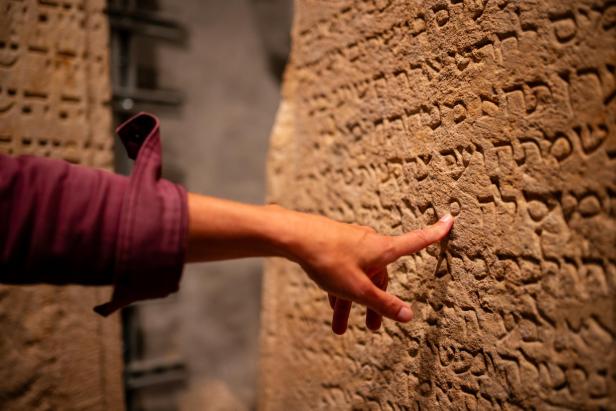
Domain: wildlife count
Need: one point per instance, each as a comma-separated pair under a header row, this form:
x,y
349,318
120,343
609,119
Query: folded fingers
x,y
373,318
340,318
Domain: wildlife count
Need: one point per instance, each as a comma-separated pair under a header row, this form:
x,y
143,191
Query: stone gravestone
x,y
56,354
500,112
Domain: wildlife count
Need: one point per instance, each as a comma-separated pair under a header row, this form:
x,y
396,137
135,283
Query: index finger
x,y
416,240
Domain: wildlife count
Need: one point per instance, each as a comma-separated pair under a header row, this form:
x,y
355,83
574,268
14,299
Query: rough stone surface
x,y
502,112
56,353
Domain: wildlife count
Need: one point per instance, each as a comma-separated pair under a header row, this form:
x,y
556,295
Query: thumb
x,y
385,304
414,241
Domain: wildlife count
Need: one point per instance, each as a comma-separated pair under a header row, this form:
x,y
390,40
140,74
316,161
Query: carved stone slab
x,y
500,112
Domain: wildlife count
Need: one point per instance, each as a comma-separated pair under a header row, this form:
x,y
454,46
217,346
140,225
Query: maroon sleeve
x,y
67,224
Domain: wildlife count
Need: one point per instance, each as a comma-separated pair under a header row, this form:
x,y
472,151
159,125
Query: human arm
x,y
348,261
61,224
66,224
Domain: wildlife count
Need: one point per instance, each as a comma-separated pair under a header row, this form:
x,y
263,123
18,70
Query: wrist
x,y
282,233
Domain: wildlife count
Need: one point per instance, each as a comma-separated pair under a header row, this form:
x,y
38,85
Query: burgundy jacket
x,y
68,224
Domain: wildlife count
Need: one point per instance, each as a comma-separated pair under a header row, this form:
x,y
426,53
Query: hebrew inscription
x,y
501,112
54,89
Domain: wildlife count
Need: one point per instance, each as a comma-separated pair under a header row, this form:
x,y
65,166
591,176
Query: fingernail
x,y
405,314
446,218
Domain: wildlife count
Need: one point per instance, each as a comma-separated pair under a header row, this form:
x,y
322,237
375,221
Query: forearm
x,y
222,229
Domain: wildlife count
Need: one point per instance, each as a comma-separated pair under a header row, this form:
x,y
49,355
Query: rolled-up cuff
x,y
153,228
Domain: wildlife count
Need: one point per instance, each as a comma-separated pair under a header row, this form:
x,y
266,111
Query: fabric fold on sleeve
x,y
152,234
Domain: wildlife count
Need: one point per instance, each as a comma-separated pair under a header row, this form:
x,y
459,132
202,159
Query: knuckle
x,y
424,235
365,291
389,249
392,306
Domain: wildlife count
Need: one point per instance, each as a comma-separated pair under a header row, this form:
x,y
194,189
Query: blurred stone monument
x,y
56,353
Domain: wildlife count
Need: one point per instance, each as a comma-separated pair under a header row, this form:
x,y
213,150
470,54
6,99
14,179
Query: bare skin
x,y
348,261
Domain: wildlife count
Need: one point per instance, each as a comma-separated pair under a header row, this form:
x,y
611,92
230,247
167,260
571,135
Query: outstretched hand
x,y
350,263
346,260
